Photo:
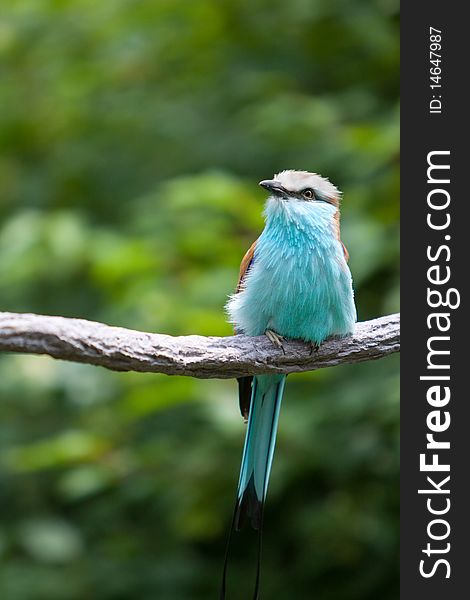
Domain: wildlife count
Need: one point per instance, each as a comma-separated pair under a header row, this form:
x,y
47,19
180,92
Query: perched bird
x,y
294,283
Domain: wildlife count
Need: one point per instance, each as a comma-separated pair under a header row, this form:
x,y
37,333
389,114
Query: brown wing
x,y
245,265
338,235
245,383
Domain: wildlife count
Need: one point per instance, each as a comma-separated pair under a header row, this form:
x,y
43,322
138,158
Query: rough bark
x,y
121,349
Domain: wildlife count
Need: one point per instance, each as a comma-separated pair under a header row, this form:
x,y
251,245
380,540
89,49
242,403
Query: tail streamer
x,y
257,458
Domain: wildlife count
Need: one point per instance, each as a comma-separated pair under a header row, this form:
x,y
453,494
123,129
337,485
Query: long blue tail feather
x,y
258,452
259,446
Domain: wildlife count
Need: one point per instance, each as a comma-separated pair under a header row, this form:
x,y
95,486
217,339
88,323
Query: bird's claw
x,y
275,339
314,347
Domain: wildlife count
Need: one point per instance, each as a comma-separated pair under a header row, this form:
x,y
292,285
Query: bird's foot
x,y
314,347
275,339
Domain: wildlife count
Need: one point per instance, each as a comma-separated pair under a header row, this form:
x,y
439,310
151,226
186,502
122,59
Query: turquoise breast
x,y
299,284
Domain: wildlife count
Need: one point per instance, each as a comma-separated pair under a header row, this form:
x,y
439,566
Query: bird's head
x,y
302,186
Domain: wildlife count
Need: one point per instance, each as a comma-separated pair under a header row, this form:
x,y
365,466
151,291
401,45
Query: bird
x,y
294,283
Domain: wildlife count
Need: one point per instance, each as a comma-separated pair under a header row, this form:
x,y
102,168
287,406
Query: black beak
x,y
274,187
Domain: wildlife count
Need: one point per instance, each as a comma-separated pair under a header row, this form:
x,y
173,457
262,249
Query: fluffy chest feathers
x,y
299,284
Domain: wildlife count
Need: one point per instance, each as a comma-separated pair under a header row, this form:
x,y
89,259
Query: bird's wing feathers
x,y
244,395
338,235
245,383
245,265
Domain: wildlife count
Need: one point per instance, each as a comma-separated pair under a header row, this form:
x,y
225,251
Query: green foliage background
x,y
132,137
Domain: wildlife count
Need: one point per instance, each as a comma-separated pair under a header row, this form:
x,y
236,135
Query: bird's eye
x,y
308,194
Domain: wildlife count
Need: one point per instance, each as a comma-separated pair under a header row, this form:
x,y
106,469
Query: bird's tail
x,y
266,397
258,452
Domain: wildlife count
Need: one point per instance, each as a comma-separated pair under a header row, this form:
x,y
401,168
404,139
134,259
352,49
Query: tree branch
x,y
121,349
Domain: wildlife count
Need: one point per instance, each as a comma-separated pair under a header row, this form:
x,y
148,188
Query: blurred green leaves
x,y
132,138
50,540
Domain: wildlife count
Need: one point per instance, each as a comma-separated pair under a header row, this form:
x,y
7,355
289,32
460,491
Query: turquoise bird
x,y
294,283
